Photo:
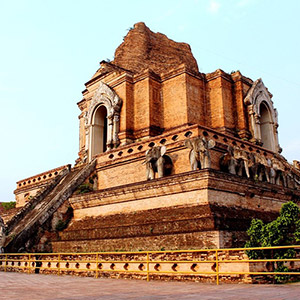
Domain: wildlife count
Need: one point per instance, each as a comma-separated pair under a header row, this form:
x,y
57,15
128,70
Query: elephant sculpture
x,y
261,167
228,163
157,162
242,159
199,154
258,167
237,162
278,172
296,180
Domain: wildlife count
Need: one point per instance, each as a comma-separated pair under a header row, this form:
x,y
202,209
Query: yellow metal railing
x,y
209,263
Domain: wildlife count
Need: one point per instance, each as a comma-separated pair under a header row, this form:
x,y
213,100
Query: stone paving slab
x,y
20,286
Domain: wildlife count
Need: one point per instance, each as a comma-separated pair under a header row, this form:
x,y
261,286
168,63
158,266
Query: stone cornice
x,y
207,179
111,67
32,187
218,73
182,69
237,76
124,77
148,73
82,104
45,176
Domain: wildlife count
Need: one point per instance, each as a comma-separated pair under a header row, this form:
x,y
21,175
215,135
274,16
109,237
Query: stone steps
x,y
27,227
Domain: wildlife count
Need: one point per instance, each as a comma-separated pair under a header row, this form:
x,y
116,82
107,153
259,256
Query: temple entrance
x,y
266,127
102,122
99,131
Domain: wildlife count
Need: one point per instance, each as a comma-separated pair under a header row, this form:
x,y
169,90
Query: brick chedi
x,y
143,49
172,158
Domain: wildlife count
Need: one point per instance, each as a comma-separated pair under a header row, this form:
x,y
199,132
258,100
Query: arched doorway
x,y
99,131
266,127
262,116
102,122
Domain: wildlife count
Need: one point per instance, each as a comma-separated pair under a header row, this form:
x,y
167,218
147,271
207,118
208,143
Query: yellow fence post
x,y
59,272
97,258
29,262
5,263
217,267
147,266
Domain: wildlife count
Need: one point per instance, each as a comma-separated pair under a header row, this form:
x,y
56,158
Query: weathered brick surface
x,y
175,213
155,95
144,49
161,88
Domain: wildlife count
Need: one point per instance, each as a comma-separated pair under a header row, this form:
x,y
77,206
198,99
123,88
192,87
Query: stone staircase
x,y
26,224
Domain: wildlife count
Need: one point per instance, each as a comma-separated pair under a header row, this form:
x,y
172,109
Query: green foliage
x,y
8,205
255,233
84,188
283,231
280,269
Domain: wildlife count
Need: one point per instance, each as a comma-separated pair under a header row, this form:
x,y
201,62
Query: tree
x,y
283,231
8,205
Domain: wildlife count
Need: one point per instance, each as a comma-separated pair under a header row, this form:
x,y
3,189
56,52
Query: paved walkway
x,y
20,286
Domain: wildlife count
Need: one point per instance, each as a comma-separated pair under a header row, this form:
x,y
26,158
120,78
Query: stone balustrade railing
x,y
178,136
176,139
40,178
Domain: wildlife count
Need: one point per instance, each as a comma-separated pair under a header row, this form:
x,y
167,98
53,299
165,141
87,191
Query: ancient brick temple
x,y
169,158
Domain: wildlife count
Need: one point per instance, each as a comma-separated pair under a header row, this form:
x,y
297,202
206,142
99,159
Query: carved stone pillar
x,y
87,137
257,132
109,132
116,126
253,127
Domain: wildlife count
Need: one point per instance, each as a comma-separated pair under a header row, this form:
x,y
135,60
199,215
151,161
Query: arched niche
x,y
102,121
99,131
266,127
263,116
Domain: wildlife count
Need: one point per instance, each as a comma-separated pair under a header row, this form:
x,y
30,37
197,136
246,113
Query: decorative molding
x,y
104,96
257,95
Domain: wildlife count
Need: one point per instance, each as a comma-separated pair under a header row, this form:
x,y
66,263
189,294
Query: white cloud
x,y
214,6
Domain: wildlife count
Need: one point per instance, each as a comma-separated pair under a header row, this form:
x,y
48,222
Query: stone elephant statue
x,y
243,160
157,162
295,180
260,167
236,161
199,154
228,162
278,172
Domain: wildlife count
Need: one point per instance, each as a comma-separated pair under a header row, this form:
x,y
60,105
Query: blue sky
x,y
49,49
